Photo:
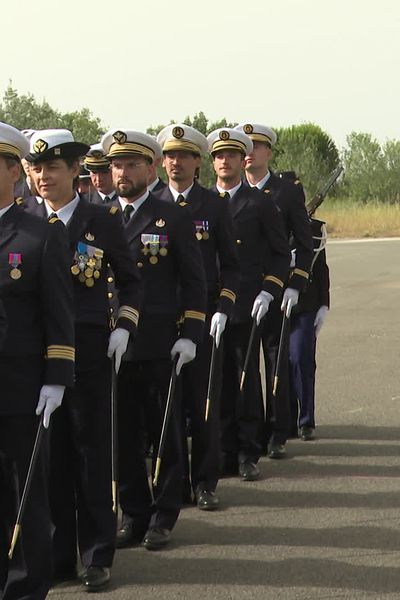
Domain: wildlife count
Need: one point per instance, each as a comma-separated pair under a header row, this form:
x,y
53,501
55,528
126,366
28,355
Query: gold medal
x,y
82,277
75,270
199,235
163,252
89,272
96,274
145,251
153,260
91,263
15,273
206,235
89,282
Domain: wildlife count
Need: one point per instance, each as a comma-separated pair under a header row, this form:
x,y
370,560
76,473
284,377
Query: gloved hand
x,y
320,319
293,259
218,324
261,305
117,345
50,398
289,294
186,350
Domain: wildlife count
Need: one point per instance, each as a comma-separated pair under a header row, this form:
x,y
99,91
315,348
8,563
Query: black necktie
x,y
180,198
128,210
106,199
53,215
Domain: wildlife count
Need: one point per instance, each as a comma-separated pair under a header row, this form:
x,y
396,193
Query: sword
x,y
167,413
114,437
248,353
214,354
284,328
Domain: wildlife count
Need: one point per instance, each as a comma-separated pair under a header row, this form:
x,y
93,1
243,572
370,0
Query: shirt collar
x,y
5,209
260,184
231,192
65,213
185,193
110,196
136,203
153,184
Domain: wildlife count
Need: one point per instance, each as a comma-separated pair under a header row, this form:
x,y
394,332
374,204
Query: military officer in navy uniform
x,y
182,148
306,323
36,365
164,247
289,199
98,166
155,183
80,477
264,261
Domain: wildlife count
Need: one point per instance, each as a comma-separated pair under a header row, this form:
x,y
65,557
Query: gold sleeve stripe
x,y
225,293
274,280
301,273
194,314
127,312
64,352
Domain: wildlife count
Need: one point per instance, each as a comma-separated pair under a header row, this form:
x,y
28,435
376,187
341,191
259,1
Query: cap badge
x,y
40,146
98,153
57,151
89,237
248,128
160,223
120,137
178,132
224,135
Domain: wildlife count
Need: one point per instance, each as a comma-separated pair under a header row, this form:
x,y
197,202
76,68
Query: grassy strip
x,y
345,218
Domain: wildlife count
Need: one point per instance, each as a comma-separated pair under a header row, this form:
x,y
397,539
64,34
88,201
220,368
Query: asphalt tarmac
x,y
324,522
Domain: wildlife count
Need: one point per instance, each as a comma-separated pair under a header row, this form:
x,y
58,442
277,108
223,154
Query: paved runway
x,y
325,522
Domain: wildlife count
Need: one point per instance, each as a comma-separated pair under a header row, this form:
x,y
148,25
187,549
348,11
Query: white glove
x,y
293,259
261,305
289,294
218,324
320,319
186,350
117,345
50,398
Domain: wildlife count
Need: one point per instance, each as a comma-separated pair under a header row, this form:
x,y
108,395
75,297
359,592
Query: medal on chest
x,y
15,260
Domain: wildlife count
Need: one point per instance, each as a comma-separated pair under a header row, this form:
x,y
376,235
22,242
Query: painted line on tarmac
x,y
364,240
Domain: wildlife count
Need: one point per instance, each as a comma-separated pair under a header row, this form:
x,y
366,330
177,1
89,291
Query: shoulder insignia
x,y
160,223
113,210
19,201
54,220
297,182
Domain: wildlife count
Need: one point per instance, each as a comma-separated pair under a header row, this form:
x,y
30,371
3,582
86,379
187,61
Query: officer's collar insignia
x,y
40,146
178,132
248,128
183,203
89,237
120,137
224,135
19,201
160,223
267,191
113,210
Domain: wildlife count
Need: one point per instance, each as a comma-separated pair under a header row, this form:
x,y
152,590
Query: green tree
x,y
307,150
25,112
364,166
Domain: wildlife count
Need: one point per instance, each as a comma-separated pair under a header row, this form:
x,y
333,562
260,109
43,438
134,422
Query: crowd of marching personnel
x,y
132,315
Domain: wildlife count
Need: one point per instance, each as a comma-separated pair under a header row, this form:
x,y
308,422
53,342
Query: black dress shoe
x,y
95,578
156,538
129,535
307,434
277,451
207,500
249,471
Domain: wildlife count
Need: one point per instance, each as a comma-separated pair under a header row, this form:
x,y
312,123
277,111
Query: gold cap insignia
x,y
248,128
224,135
160,223
97,153
40,146
178,132
120,137
89,237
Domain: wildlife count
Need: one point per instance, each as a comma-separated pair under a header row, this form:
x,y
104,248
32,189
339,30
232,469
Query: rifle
x,y
319,197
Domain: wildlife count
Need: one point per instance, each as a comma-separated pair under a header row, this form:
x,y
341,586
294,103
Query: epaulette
x,y
53,220
113,210
19,201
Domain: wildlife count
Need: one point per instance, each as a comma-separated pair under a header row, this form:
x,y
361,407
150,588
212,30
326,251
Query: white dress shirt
x,y
184,193
231,192
136,203
66,212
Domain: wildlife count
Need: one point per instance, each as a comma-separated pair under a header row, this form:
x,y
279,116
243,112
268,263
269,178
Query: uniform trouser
x,y
302,369
144,507
278,416
28,575
242,414
80,475
205,450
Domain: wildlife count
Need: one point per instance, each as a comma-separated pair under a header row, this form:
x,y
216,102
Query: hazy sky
x,y
135,64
